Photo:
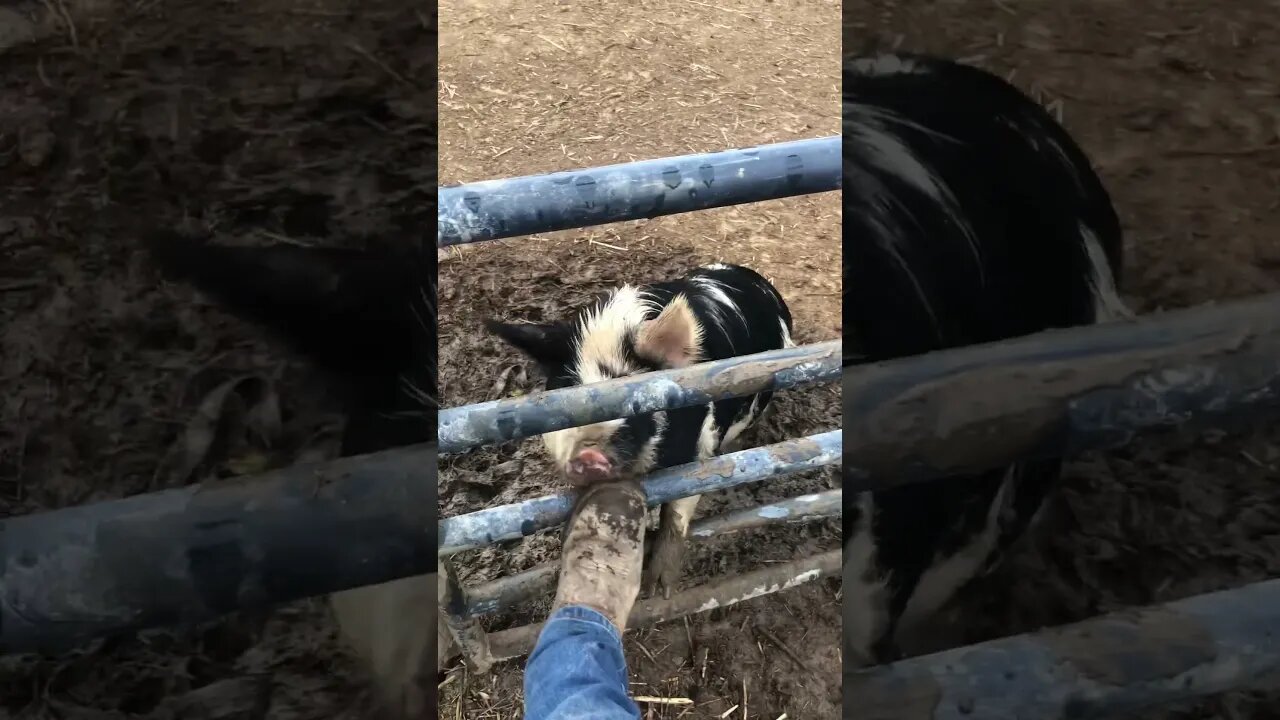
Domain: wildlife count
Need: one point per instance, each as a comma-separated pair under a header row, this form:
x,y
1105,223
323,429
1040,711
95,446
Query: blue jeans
x,y
577,670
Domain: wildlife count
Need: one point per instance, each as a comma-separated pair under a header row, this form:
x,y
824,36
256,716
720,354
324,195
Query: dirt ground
x,y
530,87
1177,102
311,121
307,121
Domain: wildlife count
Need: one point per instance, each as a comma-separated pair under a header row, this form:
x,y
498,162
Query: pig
x,y
711,313
970,216
368,317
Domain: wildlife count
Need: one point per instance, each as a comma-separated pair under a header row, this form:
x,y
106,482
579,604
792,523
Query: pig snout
x,y
591,466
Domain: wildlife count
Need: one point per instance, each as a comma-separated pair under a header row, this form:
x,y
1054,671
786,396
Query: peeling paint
x,y
71,575
465,427
494,209
510,522
1124,661
801,579
1060,392
512,591
507,644
1134,647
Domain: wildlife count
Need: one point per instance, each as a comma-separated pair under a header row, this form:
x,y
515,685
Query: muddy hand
x,y
666,558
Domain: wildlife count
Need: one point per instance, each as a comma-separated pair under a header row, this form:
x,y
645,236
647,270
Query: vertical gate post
x,y
463,626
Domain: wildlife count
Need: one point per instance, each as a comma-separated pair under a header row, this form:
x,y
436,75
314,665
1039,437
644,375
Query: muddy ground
x,y
301,121
308,122
529,87
1178,104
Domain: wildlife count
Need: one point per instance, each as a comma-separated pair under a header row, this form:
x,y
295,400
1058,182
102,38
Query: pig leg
x,y
666,557
865,602
390,627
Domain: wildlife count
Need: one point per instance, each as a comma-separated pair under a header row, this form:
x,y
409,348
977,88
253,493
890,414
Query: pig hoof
x,y
665,562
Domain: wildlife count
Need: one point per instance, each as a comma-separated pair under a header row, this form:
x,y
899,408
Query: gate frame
x,y
505,208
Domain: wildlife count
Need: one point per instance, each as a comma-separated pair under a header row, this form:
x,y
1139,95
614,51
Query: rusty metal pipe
x,y
1114,663
510,591
1061,392
468,426
515,642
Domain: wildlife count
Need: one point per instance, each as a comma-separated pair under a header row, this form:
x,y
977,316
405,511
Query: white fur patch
x,y
735,429
683,510
709,436
875,144
722,305
600,350
647,458
599,353
1031,130
941,580
865,600
562,445
878,144
787,342
1108,305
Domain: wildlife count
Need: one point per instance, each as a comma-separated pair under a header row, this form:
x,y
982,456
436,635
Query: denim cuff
x,y
585,614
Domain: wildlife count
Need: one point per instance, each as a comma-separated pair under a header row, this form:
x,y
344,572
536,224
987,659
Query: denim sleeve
x,y
577,670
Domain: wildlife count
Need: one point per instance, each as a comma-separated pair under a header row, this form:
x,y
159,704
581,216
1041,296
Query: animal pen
x,y
916,419
194,553
496,209
1059,393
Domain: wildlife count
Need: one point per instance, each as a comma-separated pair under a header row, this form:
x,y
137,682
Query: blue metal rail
x,y
461,428
509,591
494,209
194,553
1095,668
1061,392
517,641
511,522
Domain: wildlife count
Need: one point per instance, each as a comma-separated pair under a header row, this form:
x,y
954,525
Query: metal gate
x,y
518,206
1060,393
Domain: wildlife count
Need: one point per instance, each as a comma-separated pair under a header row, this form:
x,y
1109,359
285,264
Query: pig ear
x,y
674,338
547,343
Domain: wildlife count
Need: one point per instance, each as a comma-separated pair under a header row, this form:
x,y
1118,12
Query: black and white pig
x,y
970,216
712,313
368,317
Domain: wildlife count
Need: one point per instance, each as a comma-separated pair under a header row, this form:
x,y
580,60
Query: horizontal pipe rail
x,y
513,590
511,522
1109,664
1060,392
468,426
512,643
801,508
495,209
194,553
